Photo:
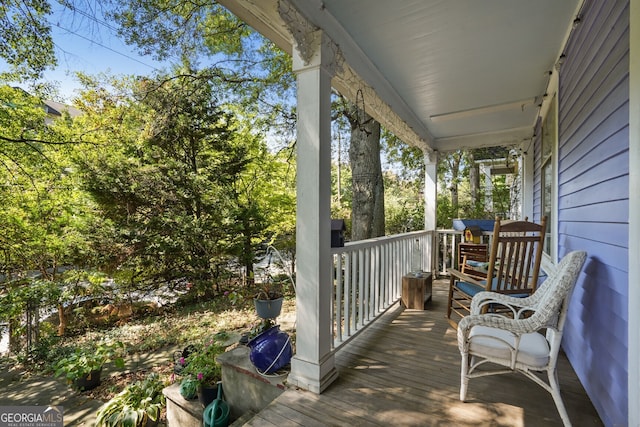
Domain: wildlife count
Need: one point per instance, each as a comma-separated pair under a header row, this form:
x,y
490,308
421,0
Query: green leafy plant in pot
x,y
189,388
202,368
138,405
83,367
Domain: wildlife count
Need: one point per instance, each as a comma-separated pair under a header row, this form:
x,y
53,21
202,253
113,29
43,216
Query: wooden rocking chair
x,y
473,259
513,268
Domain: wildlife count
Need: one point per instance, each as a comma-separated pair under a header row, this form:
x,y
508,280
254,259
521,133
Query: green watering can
x,y
216,414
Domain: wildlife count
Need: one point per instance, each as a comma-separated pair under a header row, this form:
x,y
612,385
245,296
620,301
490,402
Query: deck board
x,y
404,371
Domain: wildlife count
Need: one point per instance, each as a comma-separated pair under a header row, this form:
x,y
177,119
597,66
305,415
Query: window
x,y
549,143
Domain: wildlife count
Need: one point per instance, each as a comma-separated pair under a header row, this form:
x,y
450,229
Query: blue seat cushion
x,y
471,289
478,264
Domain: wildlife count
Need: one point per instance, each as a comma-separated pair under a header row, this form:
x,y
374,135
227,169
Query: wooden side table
x,y
416,290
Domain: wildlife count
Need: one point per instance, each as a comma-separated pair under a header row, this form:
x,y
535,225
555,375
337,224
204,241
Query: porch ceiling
x,y
450,74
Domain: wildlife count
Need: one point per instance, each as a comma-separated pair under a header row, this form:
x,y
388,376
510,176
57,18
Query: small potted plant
x,y
138,405
189,388
268,300
202,368
83,367
180,359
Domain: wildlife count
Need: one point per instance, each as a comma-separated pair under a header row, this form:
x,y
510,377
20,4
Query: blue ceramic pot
x,y
271,350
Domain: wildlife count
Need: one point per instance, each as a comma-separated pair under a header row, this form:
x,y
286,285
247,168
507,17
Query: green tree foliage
x,y
341,194
23,132
409,160
185,186
250,73
158,178
457,197
174,28
404,189
43,216
404,204
25,39
250,70
167,180
162,182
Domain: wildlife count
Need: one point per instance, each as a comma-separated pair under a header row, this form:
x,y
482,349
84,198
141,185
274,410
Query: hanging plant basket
x,y
268,308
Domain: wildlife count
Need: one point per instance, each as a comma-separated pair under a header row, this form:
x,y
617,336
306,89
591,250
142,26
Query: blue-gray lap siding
x,y
593,200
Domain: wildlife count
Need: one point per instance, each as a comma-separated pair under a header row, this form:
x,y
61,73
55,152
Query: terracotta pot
x,y
88,381
207,394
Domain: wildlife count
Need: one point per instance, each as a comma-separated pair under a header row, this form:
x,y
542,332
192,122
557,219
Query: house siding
x,y
593,200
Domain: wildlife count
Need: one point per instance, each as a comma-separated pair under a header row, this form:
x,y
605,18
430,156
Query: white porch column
x,y
526,182
313,366
431,203
430,190
488,187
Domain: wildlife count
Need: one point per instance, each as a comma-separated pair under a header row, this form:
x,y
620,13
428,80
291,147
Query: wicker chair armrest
x,y
516,305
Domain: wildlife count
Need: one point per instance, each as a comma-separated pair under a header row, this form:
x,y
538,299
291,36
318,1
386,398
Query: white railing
x,y
448,241
367,274
447,244
367,278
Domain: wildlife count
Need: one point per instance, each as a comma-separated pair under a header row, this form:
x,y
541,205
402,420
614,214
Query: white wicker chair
x,y
515,343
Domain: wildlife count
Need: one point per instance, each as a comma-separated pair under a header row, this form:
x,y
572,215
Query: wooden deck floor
x,y
404,371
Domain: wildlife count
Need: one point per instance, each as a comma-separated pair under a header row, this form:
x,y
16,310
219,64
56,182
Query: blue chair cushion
x,y
478,264
471,289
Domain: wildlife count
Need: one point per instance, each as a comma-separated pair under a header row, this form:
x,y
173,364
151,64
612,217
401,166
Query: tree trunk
x,y
474,180
455,172
248,260
36,325
14,339
367,211
62,320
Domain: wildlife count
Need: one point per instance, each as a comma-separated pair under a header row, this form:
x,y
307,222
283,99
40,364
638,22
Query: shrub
x,y
133,406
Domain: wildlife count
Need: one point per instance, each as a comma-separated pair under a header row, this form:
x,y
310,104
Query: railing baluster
x,y
360,288
374,282
383,277
338,296
368,274
346,301
367,287
354,292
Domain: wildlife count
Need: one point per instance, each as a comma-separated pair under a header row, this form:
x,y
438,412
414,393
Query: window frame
x,y
549,175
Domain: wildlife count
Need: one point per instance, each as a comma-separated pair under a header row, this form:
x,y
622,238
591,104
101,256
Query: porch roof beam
x,y
357,73
370,76
513,137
